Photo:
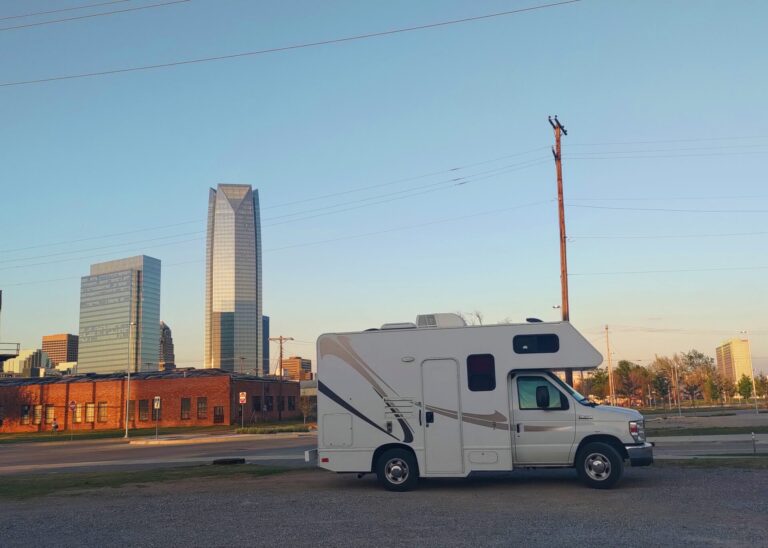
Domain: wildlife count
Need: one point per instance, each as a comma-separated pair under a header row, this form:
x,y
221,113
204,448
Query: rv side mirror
x,y
542,397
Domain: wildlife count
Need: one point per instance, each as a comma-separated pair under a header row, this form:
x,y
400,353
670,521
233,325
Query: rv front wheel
x,y
397,470
599,465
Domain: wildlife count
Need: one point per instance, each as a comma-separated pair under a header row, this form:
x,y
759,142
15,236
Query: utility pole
x,y
281,340
556,152
610,369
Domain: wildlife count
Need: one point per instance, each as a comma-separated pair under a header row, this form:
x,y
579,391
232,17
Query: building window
x,y
2,414
535,344
291,403
281,403
24,414
37,415
143,410
131,410
481,372
49,412
79,412
256,402
202,408
90,412
186,407
268,400
218,414
102,416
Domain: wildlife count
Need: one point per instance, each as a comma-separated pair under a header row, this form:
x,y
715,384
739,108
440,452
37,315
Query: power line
x,y
640,156
405,180
68,19
665,236
669,141
288,48
74,8
656,198
670,210
671,271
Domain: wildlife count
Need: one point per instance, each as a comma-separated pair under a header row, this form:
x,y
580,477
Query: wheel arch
x,y
613,441
386,447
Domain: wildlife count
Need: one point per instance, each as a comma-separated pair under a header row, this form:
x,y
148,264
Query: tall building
x,y
265,343
734,359
29,363
167,359
120,316
233,318
297,368
60,348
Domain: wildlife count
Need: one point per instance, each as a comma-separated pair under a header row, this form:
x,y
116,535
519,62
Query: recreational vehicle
x,y
438,398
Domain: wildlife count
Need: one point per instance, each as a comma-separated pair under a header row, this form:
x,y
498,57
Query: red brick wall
x,y
216,389
263,390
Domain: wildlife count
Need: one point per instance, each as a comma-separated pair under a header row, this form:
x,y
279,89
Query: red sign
x,y
242,398
72,405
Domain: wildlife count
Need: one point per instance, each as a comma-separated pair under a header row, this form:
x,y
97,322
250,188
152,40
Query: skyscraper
x,y
233,318
167,358
120,316
734,359
60,348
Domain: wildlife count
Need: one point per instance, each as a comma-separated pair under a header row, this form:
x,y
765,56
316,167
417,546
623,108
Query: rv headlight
x,y
637,430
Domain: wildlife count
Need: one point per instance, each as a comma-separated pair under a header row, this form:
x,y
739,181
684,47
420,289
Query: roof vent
x,y
400,325
440,320
533,320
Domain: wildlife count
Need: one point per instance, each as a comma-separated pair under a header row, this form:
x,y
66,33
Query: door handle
x,y
517,427
419,417
430,417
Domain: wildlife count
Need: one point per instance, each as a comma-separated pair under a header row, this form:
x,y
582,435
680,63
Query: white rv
x,y
442,399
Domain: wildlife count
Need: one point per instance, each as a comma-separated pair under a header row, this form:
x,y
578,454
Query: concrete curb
x,y
221,439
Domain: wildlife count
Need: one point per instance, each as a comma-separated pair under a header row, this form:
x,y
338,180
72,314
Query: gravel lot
x,y
653,506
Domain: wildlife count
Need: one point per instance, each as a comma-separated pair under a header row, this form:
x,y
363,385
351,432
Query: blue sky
x,y
664,103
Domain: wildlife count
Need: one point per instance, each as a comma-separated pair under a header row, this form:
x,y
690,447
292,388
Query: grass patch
x,y
25,437
759,462
704,431
28,486
273,429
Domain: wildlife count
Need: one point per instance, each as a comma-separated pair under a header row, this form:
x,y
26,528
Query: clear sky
x,y
665,108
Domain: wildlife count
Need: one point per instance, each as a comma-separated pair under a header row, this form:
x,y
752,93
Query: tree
x,y
630,379
308,406
599,384
761,383
744,387
661,385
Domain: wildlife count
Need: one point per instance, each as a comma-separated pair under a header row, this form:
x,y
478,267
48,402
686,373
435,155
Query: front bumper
x,y
640,455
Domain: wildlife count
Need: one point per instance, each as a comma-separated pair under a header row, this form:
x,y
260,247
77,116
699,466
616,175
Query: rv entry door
x,y
442,416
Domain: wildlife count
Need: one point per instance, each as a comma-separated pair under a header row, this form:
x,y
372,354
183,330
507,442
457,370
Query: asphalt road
x,y
654,506
115,454
287,452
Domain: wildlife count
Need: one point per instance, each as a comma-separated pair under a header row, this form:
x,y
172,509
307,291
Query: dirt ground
x,y
712,418
655,506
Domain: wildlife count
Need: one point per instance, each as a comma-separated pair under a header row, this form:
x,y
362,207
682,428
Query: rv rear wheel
x,y
397,470
599,465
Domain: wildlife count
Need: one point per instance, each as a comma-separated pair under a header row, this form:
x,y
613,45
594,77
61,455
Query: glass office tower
x,y
120,316
233,318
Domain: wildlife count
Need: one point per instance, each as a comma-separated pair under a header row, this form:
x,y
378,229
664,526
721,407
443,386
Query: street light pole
x,y
128,387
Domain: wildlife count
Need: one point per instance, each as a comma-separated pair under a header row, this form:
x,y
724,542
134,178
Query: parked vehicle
x,y
442,399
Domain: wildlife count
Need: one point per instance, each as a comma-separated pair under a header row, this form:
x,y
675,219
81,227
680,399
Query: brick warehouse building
x,y
192,397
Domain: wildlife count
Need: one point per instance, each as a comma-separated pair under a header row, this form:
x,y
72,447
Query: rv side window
x,y
535,344
481,372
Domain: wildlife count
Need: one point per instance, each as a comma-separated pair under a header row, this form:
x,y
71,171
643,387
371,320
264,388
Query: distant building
x,y
67,368
734,359
167,359
29,363
120,316
297,368
233,315
265,344
61,347
193,397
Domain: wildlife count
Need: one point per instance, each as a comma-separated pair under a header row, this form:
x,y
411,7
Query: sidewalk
x,y
191,439
711,438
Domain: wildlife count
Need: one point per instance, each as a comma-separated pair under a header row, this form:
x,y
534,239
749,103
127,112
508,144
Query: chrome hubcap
x,y
597,466
396,471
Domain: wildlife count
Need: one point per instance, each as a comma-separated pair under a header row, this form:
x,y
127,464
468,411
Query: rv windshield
x,y
578,397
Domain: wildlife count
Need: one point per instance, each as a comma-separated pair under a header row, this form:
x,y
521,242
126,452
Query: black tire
x,y
599,465
397,470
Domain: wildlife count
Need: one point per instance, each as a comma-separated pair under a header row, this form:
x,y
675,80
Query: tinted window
x,y
536,344
526,394
481,372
